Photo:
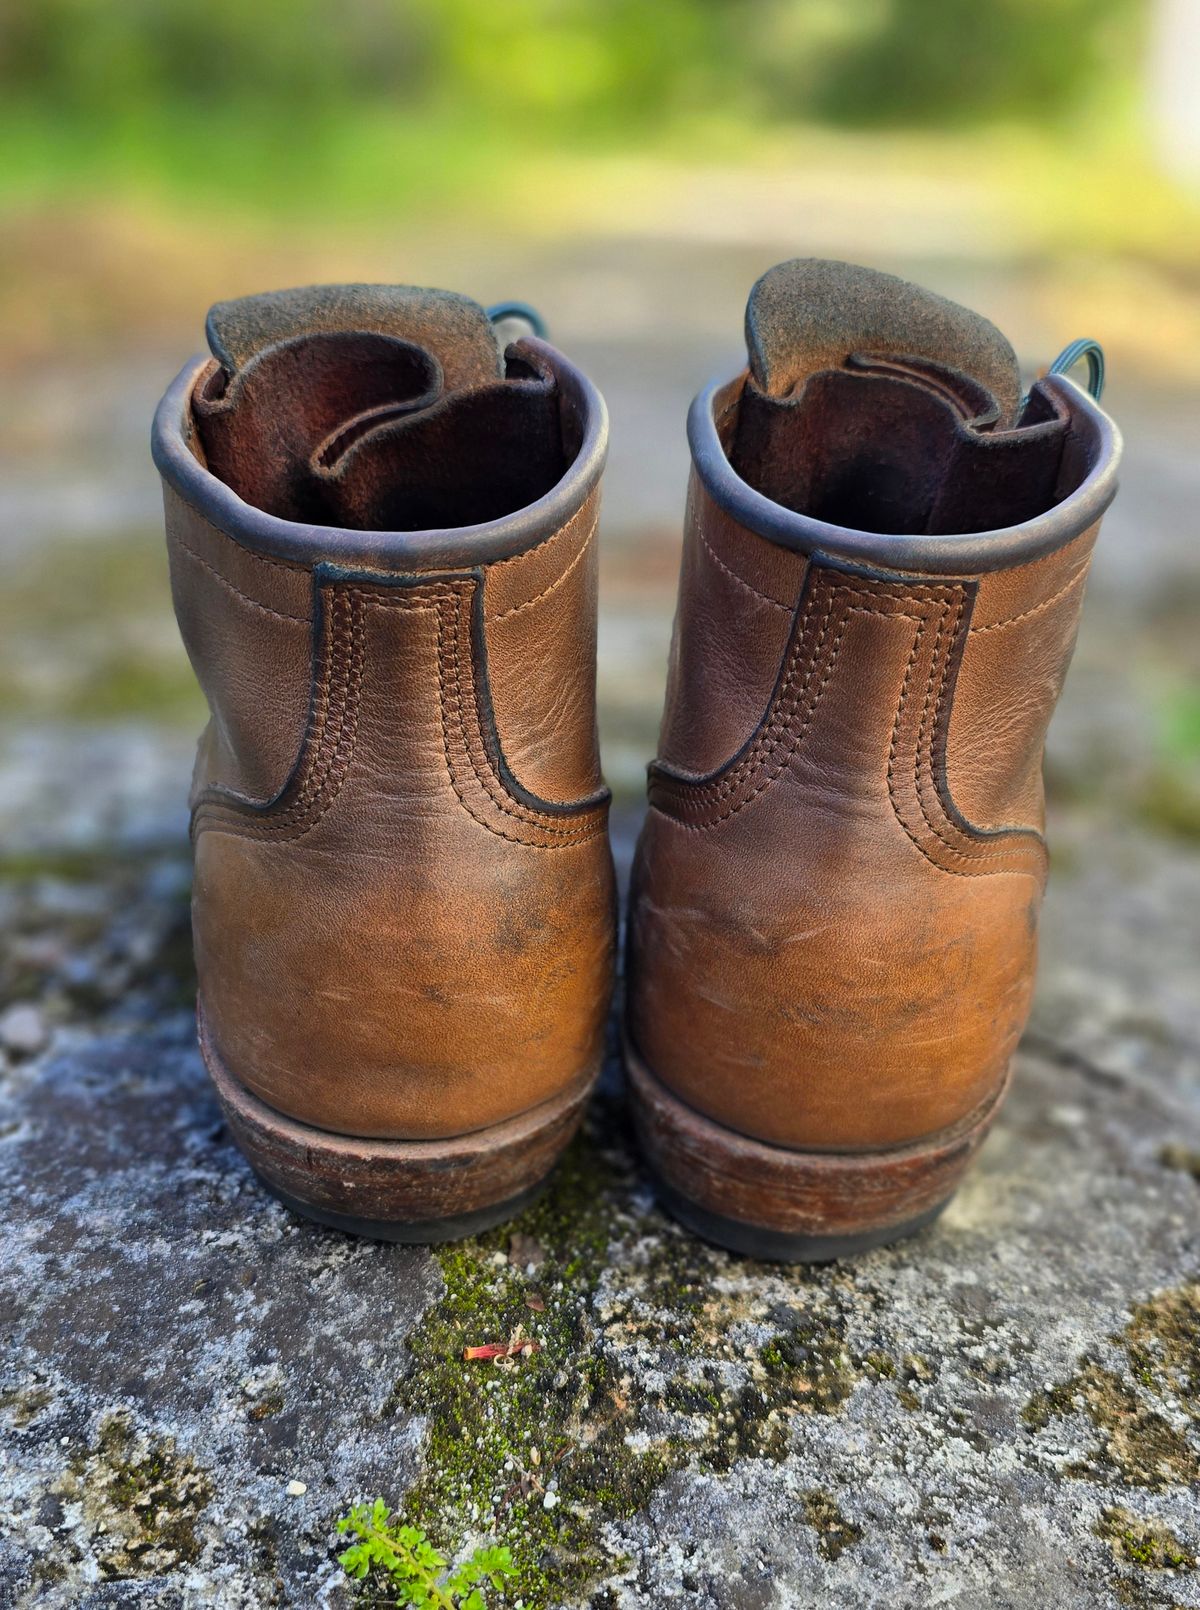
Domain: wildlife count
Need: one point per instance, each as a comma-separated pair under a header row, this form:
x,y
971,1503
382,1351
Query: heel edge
x,y
770,1202
398,1190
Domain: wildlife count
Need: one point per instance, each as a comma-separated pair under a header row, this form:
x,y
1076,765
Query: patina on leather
x,y
835,896
382,538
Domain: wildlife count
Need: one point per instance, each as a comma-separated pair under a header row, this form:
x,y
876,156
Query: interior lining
x,y
901,445
472,457
358,429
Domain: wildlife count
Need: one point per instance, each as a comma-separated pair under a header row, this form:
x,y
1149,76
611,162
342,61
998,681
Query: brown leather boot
x,y
383,558
835,898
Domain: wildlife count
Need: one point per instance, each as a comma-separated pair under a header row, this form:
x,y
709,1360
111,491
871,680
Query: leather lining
x,y
582,425
885,447
1086,485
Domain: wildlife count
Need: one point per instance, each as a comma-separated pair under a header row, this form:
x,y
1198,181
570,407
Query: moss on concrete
x,y
834,1532
140,1498
1163,1343
534,1451
545,1452
1141,1542
1182,1158
1147,1413
270,1404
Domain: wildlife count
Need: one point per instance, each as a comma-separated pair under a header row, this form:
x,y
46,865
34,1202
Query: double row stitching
x,y
796,737
328,758
333,730
568,837
554,585
980,857
775,733
779,733
981,853
319,775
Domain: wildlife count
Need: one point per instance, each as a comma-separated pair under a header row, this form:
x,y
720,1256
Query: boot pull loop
x,y
500,311
1087,349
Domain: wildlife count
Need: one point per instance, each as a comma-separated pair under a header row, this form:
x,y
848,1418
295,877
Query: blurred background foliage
x,y
571,65
631,166
269,100
120,118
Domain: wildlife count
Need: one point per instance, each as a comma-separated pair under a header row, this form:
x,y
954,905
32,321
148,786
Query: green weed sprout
x,y
416,1572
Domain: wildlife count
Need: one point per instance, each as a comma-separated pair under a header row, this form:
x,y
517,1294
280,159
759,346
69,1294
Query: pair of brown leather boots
x,y
382,534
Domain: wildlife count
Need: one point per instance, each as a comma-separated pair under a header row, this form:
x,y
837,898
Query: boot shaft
x,y
382,536
835,899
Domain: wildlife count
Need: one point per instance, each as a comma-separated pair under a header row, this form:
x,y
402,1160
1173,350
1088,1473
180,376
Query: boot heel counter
x,y
826,951
394,944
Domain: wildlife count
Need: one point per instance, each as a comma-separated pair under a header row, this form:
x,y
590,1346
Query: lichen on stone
x,y
22,1404
140,1499
1146,1413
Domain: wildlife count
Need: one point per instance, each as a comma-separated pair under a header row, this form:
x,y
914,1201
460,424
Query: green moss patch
x,y
1147,1413
648,1361
1145,1543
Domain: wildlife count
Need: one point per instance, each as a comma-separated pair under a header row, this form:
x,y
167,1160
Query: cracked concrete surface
x,y
1004,1411
948,1421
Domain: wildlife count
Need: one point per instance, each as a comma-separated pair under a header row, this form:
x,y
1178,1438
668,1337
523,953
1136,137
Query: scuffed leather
x,y
404,903
833,923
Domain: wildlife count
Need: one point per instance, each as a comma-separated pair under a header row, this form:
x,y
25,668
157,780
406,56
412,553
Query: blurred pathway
x,y
1003,1412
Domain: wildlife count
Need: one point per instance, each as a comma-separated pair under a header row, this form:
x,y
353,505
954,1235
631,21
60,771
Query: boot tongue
x,y
452,328
810,315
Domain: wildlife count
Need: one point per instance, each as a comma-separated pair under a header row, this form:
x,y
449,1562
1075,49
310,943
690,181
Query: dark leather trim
x,y
218,797
328,581
972,553
456,548
337,575
690,799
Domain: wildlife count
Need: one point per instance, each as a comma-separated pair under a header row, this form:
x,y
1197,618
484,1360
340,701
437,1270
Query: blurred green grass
x,y
613,68
287,104
140,139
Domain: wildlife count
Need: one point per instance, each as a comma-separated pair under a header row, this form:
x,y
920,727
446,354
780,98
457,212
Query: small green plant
x,y
416,1572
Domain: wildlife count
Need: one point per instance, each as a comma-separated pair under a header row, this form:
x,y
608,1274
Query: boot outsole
x,y
789,1206
421,1191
